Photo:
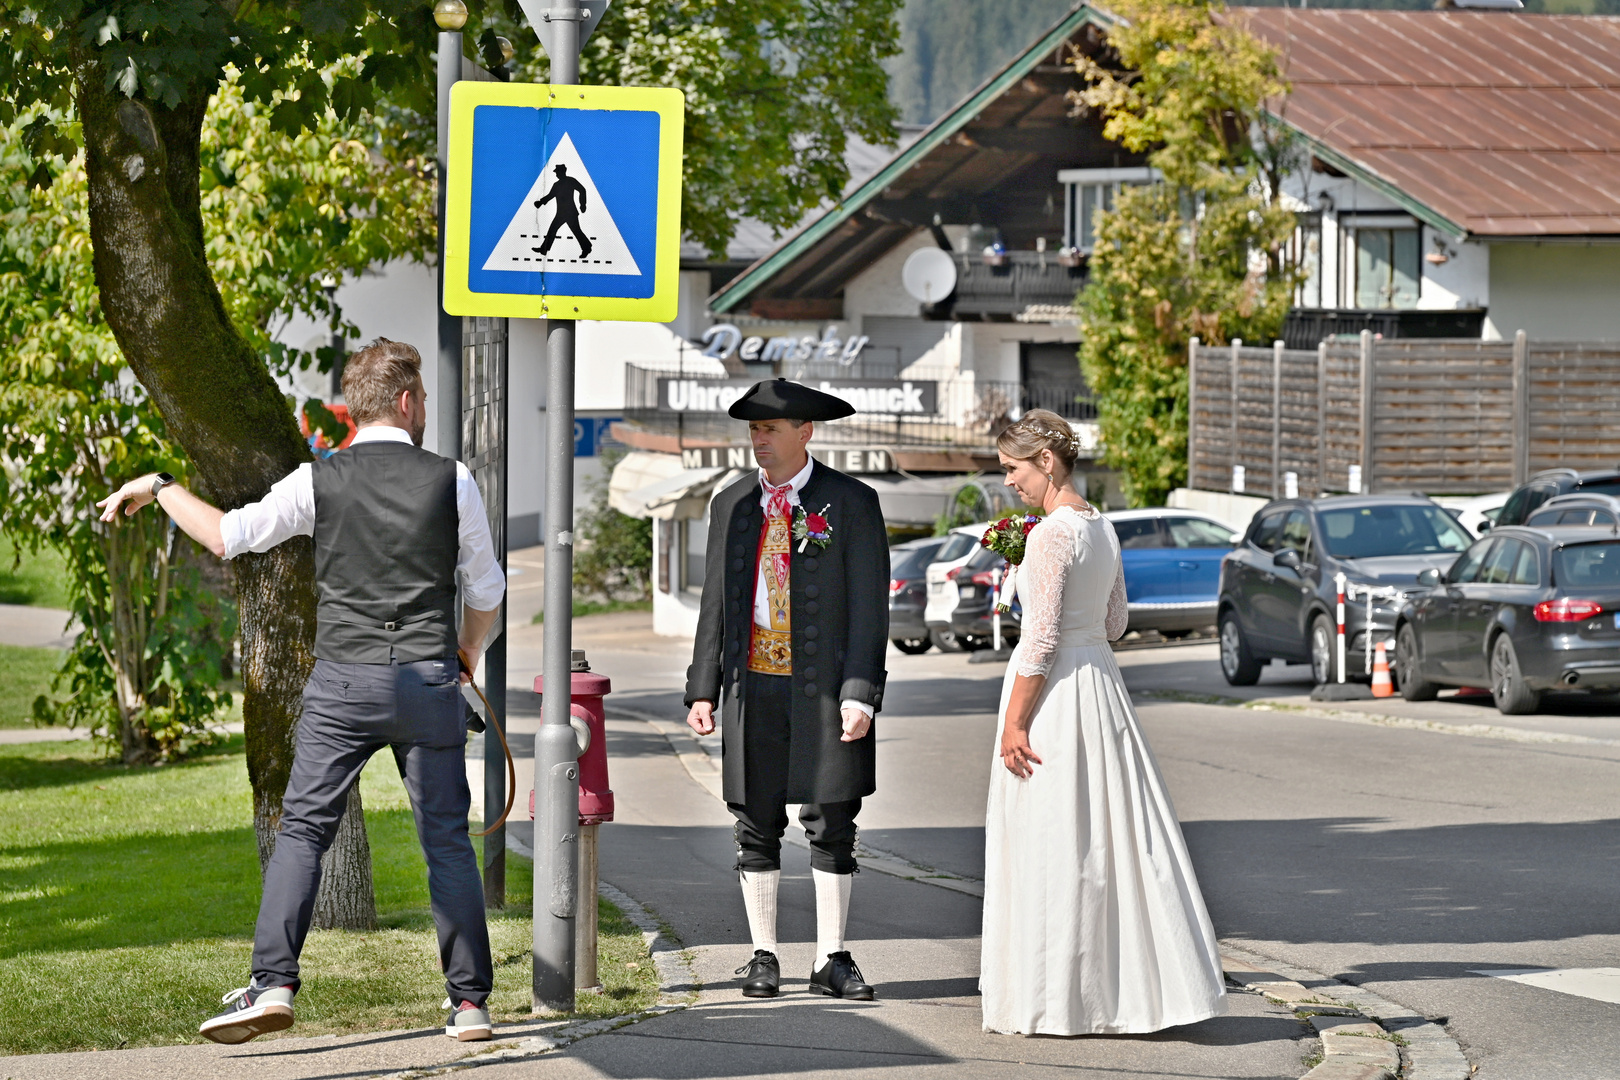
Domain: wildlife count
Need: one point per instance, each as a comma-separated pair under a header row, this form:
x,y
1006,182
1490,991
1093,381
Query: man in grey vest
x,y
396,530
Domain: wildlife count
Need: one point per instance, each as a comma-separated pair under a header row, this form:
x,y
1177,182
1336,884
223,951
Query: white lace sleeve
x,y
1119,614
1040,582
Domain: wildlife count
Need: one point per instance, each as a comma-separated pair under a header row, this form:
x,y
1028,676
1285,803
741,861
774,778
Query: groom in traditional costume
x,y
790,643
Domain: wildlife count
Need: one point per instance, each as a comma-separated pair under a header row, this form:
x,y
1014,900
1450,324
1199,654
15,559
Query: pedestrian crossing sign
x,y
563,201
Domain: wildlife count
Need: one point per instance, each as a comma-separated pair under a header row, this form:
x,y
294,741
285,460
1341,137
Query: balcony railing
x,y
1025,279
961,411
1305,328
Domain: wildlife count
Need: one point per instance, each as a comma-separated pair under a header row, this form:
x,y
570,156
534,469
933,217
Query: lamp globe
x,y
450,14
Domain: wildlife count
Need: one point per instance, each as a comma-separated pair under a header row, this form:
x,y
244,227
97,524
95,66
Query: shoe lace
x,y
235,994
748,967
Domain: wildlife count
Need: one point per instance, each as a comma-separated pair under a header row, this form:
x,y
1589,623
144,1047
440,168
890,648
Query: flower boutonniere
x,y
811,528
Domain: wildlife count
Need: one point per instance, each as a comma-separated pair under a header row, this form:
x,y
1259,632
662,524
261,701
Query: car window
x,y
1140,533
1588,565
1522,502
1296,534
1191,532
911,562
1607,487
1369,532
1576,517
1498,568
1527,570
984,559
1491,515
1268,535
956,545
1466,568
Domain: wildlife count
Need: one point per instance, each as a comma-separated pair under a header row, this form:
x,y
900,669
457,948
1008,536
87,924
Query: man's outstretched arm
x,y
199,520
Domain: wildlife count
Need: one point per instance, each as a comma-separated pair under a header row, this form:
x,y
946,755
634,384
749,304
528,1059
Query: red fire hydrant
x,y
585,692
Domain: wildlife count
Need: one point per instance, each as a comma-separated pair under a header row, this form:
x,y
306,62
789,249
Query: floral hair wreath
x,y
1065,436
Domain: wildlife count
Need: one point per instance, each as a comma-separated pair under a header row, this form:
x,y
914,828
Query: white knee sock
x,y
832,913
759,897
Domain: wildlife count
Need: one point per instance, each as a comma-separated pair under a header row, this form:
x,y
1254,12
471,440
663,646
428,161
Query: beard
x,y
418,429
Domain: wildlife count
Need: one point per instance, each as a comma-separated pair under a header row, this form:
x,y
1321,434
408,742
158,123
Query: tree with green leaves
x,y
1201,252
773,85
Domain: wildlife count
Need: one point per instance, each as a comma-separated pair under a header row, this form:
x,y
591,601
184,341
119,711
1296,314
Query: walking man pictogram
x,y
563,191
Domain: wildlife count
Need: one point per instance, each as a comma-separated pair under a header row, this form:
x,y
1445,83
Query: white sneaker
x,y
468,1023
253,1012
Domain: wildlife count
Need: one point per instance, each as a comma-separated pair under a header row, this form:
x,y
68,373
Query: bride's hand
x,y
1016,753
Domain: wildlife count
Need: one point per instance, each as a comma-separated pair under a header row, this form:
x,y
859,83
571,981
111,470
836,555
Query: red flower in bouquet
x,y
815,523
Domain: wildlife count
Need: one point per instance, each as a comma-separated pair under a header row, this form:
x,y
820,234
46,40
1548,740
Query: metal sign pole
x,y
556,766
448,389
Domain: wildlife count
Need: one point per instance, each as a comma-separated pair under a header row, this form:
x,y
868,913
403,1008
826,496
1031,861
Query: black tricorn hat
x,y
781,399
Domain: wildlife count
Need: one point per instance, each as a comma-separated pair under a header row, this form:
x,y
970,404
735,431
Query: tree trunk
x,y
219,402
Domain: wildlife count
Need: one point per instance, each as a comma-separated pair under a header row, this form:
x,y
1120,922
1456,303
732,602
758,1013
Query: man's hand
x,y
137,493
468,660
856,725
701,718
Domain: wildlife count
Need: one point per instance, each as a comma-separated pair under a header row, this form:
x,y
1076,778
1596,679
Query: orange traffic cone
x,y
1381,686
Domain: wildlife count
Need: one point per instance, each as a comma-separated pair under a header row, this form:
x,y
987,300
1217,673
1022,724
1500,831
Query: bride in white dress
x,y
1093,922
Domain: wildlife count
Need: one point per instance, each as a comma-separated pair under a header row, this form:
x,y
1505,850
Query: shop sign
x,y
844,459
882,397
723,340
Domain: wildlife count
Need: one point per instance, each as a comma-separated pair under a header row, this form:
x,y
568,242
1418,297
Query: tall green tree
x,y
132,83
1202,252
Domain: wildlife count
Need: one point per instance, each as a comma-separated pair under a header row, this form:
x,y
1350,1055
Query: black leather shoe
x,y
763,975
840,978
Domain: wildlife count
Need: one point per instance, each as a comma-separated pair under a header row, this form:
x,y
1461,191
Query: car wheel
x,y
1324,651
974,643
1414,687
1513,697
945,640
1238,664
913,646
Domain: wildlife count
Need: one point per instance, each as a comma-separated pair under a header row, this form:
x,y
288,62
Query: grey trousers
x,y
350,712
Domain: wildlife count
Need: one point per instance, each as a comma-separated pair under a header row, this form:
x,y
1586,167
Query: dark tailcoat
x,y
839,611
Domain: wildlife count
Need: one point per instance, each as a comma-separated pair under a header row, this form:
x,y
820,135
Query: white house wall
x,y
1555,292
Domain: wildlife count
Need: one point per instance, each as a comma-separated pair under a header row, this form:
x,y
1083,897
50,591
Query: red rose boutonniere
x,y
811,528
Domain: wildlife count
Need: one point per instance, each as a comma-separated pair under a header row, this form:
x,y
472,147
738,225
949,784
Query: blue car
x,y
1172,567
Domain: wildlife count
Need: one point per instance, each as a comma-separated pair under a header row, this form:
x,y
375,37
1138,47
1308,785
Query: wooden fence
x,y
1440,416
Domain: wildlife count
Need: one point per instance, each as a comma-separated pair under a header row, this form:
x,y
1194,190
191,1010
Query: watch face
x,y
167,478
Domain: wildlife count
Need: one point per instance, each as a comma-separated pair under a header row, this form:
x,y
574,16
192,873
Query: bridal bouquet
x,y
1008,538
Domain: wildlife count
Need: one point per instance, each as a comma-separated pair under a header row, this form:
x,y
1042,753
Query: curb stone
x,y
1418,1048
677,990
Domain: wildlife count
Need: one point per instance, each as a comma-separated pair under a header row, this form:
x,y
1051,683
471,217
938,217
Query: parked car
x,y
1552,483
1277,590
908,593
1478,513
1523,611
975,589
1172,561
960,545
1580,508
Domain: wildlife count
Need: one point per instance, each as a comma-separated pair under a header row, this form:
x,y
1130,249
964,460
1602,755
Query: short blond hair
x,y
1037,430
375,376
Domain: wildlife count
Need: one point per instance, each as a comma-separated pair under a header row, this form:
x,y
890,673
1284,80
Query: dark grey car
x,y
1551,483
1523,611
908,593
1278,595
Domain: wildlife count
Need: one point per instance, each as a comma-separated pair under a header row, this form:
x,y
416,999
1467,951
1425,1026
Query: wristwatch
x,y
161,481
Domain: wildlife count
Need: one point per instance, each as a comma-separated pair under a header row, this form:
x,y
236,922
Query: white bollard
x,y
995,607
1338,582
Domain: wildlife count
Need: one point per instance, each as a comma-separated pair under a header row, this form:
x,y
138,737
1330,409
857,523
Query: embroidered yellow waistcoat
x,y
770,651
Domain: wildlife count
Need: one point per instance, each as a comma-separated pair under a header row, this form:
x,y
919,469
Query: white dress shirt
x,y
289,510
762,604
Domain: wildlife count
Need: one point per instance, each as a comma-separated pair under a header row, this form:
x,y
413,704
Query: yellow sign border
x,y
669,104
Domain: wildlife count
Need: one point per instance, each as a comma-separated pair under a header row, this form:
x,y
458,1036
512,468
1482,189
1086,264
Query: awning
x,y
911,501
647,485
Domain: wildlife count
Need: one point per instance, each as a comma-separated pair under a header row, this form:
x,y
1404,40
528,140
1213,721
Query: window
x,y
1587,566
1523,502
1089,194
1268,535
1387,268
695,540
1527,571
1139,533
1466,568
912,562
1370,532
956,545
1498,569
1296,534
1191,532
1305,252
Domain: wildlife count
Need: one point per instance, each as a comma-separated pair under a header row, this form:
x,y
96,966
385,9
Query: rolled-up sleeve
x,y
478,573
288,510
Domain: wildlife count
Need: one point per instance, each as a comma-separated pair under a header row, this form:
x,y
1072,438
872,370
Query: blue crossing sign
x,y
563,201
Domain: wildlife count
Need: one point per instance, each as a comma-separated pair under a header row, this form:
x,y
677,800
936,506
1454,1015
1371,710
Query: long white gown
x,y
1093,922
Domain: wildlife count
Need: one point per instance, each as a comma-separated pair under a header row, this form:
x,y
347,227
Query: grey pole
x,y
556,754
448,389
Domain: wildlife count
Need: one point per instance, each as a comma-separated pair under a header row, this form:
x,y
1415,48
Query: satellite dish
x,y
929,274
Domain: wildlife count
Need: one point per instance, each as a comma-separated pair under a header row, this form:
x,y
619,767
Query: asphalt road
x,y
1396,857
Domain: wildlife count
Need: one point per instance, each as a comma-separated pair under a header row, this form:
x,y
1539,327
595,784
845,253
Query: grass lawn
x,y
27,674
41,579
127,901
583,608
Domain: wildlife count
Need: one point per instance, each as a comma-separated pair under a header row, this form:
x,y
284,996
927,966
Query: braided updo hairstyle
x,y
1037,430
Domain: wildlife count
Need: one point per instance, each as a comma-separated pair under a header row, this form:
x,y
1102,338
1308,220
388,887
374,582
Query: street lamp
x,y
450,14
